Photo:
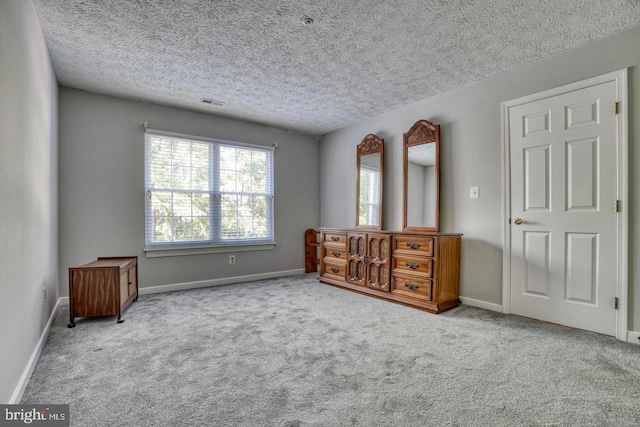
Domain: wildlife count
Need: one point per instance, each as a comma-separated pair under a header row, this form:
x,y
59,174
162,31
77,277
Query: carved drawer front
x,y
414,245
422,266
334,269
335,252
336,238
416,288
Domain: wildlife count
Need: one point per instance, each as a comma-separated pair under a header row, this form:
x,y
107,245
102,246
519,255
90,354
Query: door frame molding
x,y
622,282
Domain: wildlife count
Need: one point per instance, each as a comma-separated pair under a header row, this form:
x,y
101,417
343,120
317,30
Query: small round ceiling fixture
x,y
307,21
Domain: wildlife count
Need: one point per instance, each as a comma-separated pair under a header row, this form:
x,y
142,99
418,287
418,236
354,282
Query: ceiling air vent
x,y
212,102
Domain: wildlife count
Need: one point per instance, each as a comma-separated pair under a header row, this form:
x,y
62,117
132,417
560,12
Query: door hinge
x,y
616,205
616,107
615,303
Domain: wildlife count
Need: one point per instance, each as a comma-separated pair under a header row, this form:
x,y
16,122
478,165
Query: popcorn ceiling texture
x,y
358,58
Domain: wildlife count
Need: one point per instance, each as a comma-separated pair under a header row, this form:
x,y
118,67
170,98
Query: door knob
x,y
519,221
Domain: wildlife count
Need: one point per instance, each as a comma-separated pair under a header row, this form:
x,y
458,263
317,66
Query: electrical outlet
x,y
232,259
44,292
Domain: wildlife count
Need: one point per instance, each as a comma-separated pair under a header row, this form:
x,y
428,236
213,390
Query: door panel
x,y
537,182
563,152
582,259
536,257
582,174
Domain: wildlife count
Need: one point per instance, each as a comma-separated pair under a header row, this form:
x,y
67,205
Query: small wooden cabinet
x,y
104,287
421,270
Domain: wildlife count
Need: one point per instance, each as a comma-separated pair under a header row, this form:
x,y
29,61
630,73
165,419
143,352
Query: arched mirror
x,y
421,170
369,177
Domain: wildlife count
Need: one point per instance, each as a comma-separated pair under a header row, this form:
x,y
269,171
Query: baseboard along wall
x,y
633,337
481,304
35,355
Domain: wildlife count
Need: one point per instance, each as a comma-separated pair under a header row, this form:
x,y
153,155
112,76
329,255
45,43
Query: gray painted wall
x,y
471,126
28,190
102,188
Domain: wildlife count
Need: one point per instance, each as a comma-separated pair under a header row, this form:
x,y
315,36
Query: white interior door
x,y
564,244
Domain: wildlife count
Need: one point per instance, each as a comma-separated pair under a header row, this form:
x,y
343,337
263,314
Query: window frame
x,y
216,243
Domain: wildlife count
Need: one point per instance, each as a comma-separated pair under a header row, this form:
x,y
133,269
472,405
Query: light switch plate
x,y
475,193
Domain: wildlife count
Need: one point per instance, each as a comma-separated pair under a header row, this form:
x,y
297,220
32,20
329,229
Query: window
x,y
206,192
369,206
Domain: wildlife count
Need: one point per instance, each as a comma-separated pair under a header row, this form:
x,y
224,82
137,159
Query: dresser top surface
x,y
110,262
398,233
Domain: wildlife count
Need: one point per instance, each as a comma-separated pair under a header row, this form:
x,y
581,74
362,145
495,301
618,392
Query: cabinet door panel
x,y
378,277
95,292
356,272
357,258
379,246
124,285
133,280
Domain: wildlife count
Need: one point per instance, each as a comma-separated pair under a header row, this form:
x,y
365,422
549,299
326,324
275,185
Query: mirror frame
x,y
371,144
422,132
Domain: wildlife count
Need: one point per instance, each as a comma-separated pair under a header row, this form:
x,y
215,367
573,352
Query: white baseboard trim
x,y
35,355
633,337
481,304
216,282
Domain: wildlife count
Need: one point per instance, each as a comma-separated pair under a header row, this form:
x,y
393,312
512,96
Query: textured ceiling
x,y
359,58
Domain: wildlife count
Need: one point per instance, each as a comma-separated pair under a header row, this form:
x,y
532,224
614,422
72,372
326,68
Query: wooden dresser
x,y
421,270
104,287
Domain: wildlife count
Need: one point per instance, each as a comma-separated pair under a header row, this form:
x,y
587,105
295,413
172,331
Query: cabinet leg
x,y
71,325
120,319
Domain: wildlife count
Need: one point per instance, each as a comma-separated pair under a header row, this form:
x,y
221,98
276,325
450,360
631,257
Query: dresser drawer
x,y
335,252
422,266
335,238
413,245
334,269
416,288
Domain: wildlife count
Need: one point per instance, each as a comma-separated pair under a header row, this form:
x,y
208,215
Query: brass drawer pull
x,y
411,265
335,238
335,254
412,245
335,270
411,286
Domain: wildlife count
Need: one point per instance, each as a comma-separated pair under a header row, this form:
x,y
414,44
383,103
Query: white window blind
x,y
369,206
202,192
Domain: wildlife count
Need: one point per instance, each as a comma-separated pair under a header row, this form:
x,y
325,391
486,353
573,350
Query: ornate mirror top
x,y
370,144
421,132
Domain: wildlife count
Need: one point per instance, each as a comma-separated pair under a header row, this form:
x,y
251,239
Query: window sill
x,y
159,252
